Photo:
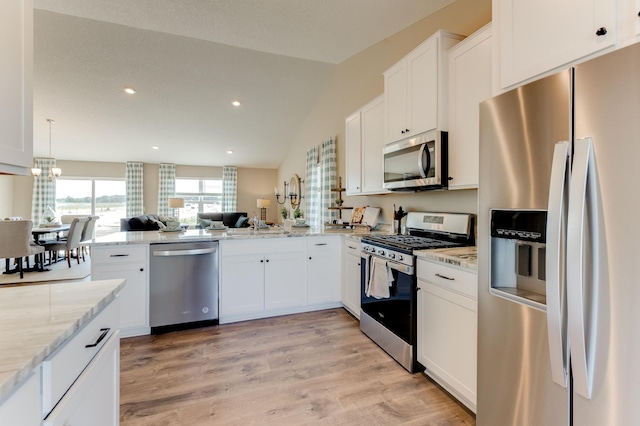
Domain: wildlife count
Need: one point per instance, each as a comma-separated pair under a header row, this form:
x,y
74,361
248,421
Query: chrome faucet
x,y
256,221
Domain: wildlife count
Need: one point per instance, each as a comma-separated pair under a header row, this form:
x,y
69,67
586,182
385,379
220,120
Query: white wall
x,y
357,81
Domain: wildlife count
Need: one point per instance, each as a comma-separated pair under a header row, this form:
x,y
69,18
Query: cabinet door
x,y
422,93
284,280
94,398
372,145
353,154
469,84
447,342
538,36
395,101
241,284
133,298
323,276
16,86
351,298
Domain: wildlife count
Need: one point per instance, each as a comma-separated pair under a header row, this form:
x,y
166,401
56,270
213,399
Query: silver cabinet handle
x,y
321,244
119,255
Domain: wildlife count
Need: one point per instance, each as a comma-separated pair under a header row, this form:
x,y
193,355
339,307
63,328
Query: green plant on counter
x,y
297,214
49,219
284,212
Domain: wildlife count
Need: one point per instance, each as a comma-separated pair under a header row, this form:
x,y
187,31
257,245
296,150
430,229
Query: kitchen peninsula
x,y
261,273
44,360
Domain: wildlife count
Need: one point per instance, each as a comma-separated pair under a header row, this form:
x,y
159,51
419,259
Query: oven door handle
x,y
405,269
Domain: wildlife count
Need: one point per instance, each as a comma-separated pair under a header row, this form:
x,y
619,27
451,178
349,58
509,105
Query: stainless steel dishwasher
x,y
183,285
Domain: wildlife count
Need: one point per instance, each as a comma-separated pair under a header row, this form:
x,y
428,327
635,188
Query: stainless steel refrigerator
x,y
558,249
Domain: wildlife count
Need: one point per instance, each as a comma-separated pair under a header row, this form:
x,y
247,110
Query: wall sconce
x,y
176,204
294,195
263,204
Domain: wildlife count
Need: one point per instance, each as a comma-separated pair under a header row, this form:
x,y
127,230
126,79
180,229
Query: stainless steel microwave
x,y
417,163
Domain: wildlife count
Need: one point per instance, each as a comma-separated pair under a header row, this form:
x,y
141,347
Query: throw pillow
x,y
204,223
157,223
242,220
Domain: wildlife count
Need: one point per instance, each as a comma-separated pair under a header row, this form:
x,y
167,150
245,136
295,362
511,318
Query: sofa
x,y
229,219
144,222
150,222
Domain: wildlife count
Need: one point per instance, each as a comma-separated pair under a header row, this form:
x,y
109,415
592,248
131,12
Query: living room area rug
x,y
60,271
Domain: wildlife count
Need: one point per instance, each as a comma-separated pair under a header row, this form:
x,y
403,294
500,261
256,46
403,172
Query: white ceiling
x,y
188,60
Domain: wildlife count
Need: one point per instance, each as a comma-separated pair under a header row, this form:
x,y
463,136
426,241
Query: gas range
x,y
426,231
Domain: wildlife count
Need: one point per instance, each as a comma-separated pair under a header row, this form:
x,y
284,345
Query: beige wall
x,y
358,80
252,184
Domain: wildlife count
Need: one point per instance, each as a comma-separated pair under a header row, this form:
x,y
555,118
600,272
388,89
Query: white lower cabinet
x,y
447,327
261,278
350,289
323,269
94,397
131,263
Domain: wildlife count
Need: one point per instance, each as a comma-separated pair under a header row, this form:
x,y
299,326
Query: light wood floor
x,y
308,369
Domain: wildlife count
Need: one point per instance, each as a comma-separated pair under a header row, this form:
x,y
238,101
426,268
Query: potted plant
x,y
339,202
297,213
284,212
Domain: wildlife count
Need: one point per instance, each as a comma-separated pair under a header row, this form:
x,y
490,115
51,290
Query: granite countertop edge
x,y
462,257
33,360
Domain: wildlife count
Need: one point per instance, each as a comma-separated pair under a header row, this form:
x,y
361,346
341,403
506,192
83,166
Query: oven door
x,y
396,313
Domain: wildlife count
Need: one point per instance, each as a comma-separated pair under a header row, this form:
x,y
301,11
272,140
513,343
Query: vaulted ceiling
x,y
188,60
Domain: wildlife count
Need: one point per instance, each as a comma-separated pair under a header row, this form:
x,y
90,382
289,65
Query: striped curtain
x,y
134,189
44,191
166,188
312,197
229,189
328,173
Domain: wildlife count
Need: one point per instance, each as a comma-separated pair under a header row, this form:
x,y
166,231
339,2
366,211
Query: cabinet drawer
x,y
119,254
323,243
63,366
349,246
463,282
262,245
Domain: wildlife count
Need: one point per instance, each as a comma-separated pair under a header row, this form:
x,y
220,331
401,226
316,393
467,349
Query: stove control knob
x,y
392,255
381,252
400,257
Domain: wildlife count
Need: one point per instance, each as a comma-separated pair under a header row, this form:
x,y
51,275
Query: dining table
x,y
37,232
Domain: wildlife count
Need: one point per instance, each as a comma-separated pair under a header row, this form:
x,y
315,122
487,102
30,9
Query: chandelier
x,y
54,172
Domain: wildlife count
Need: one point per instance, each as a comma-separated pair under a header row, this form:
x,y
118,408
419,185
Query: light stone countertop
x,y
464,257
37,319
195,235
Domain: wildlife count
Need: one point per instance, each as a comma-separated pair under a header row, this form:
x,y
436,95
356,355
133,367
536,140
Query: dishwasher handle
x,y
190,252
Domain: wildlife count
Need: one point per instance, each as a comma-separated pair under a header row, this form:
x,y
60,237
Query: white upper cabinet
x,y
470,82
16,86
353,136
415,89
534,37
364,132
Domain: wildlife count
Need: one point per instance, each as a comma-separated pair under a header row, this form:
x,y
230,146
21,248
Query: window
x,y
98,197
200,195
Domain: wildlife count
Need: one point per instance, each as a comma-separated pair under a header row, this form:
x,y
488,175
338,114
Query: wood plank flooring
x,y
308,369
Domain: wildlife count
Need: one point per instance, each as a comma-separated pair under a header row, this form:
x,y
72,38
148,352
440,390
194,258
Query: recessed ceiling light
x,y
235,103
155,147
129,90
229,152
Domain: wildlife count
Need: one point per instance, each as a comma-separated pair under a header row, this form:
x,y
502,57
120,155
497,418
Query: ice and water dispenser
x,y
518,247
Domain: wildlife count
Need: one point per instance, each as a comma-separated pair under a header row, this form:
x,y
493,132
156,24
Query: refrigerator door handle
x,y
581,306
555,277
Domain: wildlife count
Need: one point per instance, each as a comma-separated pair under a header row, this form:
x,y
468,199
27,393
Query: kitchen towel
x,y
380,279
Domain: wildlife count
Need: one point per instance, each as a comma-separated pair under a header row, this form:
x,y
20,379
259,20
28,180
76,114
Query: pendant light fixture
x,y
54,172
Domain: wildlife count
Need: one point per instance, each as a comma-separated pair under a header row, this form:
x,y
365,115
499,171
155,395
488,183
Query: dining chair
x,y
88,234
72,243
15,243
